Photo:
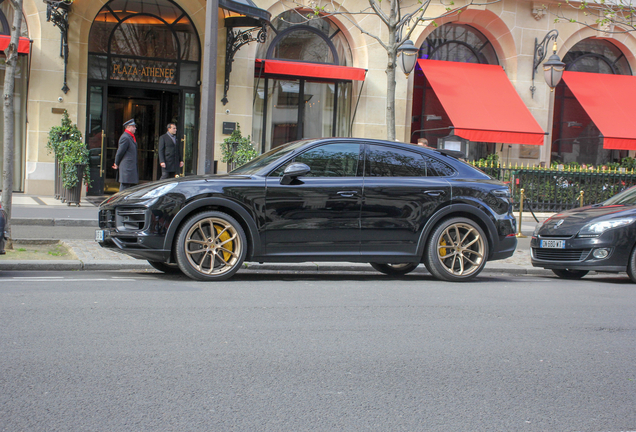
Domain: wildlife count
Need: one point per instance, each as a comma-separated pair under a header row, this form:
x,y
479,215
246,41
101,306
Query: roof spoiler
x,y
452,153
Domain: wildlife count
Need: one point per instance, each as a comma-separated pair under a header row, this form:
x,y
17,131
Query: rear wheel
x,y
165,267
211,246
394,269
457,250
569,274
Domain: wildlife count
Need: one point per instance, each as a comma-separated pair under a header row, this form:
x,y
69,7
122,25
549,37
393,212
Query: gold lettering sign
x,y
144,71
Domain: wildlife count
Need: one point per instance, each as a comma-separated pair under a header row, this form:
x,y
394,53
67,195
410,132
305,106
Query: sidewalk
x,y
47,211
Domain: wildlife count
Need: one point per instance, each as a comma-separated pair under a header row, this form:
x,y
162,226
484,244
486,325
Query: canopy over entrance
x,y
481,103
609,101
310,70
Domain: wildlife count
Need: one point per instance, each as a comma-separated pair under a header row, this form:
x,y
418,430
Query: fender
x,y
459,208
251,234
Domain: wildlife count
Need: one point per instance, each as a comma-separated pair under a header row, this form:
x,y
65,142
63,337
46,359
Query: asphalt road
x,y
118,351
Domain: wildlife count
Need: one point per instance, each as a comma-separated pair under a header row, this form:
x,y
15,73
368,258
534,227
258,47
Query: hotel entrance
x,y
141,66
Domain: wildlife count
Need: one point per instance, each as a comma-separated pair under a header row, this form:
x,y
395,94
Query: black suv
x,y
390,204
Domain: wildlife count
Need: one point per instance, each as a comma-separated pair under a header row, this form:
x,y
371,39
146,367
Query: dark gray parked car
x,y
599,237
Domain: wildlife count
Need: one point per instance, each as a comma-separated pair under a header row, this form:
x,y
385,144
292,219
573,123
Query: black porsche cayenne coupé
x,y
600,237
389,204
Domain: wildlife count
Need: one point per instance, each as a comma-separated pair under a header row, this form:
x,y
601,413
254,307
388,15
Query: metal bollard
x,y
521,199
581,198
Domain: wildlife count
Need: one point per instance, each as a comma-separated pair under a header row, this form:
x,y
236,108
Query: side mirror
x,y
294,170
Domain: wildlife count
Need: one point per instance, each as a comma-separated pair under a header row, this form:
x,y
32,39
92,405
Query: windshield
x,y
253,166
627,197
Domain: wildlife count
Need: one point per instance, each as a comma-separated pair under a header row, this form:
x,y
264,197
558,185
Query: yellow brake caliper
x,y
442,252
229,246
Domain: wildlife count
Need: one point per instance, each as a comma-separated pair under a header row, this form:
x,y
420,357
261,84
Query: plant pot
x,y
74,194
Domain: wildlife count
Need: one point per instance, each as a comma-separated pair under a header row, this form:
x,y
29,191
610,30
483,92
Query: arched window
x,y
449,42
160,30
295,38
6,19
598,56
287,108
459,43
575,137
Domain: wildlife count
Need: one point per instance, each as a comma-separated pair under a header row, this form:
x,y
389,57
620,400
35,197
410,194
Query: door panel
x,y
397,201
317,214
96,139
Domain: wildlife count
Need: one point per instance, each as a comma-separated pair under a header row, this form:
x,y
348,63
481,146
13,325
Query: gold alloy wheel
x,y
461,249
213,246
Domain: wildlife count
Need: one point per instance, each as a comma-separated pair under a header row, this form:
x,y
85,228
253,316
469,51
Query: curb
x,y
72,265
55,222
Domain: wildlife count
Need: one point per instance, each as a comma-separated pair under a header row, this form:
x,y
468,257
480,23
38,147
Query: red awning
x,y
311,70
609,101
481,103
24,45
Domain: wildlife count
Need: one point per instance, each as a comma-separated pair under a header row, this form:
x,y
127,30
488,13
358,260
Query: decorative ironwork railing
x,y
554,190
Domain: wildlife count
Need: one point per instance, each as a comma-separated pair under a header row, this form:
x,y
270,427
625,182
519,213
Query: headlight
x,y
536,230
154,193
598,228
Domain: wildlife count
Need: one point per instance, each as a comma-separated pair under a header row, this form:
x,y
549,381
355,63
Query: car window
x,y
436,167
393,162
329,160
266,158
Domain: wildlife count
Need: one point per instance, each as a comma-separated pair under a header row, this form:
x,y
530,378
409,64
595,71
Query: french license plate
x,y
553,244
99,235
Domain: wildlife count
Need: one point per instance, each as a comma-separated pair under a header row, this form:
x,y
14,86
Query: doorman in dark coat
x,y
170,157
126,157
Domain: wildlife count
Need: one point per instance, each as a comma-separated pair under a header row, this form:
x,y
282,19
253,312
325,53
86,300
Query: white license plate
x,y
553,244
99,235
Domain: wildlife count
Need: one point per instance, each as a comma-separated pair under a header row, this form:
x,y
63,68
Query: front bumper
x,y
137,229
578,253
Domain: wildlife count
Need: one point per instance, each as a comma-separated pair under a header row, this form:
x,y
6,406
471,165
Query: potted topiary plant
x,y
237,150
71,157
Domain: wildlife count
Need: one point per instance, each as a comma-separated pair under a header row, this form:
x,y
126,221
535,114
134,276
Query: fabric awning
x,y
609,101
481,103
24,44
310,70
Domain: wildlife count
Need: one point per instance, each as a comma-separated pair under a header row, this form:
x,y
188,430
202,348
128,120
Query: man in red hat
x,y
126,157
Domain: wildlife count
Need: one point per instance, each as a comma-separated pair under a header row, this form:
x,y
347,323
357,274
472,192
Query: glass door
x,y
189,133
96,139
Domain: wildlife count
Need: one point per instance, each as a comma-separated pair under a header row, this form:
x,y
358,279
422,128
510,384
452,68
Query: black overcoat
x,y
126,159
169,153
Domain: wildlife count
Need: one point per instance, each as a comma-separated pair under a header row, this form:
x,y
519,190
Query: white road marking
x,y
37,279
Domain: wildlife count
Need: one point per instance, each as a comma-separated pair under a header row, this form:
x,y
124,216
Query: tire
x,y
569,274
631,265
165,267
465,258
211,246
394,269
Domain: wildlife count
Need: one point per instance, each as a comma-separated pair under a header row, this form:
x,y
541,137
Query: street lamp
x,y
553,68
408,56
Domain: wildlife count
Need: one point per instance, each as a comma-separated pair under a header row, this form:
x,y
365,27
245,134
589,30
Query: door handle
x,y
348,194
435,193
183,140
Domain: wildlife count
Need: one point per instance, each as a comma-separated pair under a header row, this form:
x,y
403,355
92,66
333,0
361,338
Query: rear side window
x,y
393,162
436,167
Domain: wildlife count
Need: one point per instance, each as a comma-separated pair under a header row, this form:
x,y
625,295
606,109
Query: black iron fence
x,y
549,190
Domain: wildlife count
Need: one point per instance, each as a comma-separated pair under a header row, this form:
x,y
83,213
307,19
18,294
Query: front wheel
x,y
569,274
631,265
211,246
394,269
457,250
